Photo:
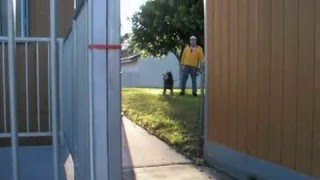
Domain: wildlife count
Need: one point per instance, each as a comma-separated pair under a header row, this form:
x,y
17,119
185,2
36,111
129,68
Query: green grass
x,y
175,120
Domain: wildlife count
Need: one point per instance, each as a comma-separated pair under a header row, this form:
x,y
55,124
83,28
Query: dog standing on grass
x,y
167,83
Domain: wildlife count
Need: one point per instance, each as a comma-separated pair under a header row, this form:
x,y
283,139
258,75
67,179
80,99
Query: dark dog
x,y
168,83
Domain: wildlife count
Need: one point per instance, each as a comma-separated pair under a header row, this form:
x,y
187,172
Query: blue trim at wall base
x,y
243,166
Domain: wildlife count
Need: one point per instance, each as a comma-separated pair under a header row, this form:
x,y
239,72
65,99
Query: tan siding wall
x,y
233,75
225,58
253,47
316,123
264,79
276,91
305,84
290,98
242,76
40,17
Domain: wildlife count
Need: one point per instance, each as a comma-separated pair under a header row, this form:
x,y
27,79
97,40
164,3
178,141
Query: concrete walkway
x,y
147,158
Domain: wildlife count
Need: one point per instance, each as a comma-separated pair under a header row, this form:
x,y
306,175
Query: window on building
x,y
21,14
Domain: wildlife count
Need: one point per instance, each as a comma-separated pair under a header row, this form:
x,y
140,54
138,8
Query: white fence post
x,y
98,18
12,89
106,88
53,86
114,91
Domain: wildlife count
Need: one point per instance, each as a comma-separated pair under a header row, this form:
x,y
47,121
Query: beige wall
x,y
40,17
264,79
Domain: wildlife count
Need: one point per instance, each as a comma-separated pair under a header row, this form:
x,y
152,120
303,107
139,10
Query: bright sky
x,y
128,8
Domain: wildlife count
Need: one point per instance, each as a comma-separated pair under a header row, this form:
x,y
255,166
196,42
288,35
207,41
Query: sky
x,y
128,8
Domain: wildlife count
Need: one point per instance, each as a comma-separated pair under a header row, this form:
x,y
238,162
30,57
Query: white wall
x,y
148,72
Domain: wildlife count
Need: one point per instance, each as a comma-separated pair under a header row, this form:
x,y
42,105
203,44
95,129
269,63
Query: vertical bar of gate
x,y
27,83
74,93
91,136
114,89
22,9
61,100
49,96
53,44
4,89
38,85
26,27
12,90
100,88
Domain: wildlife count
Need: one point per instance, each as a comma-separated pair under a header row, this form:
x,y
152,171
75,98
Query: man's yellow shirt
x,y
192,56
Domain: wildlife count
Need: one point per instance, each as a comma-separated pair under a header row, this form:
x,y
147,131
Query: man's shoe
x,y
182,93
194,94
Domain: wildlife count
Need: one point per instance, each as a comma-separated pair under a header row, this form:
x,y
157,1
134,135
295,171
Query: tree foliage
x,y
163,26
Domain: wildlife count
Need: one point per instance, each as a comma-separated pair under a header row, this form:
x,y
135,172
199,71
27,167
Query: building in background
x,y
148,72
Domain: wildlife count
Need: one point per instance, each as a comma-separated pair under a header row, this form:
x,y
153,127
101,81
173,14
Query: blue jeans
x,y
186,70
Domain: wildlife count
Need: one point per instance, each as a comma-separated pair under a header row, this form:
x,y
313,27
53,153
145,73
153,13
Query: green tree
x,y
163,26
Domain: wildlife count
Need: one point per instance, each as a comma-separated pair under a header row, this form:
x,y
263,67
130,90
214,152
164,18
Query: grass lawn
x,y
175,120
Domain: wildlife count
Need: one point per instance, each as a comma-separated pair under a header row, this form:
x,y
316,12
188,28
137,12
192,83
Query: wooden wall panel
x,y
264,77
266,80
276,108
233,73
217,64
215,75
243,75
305,85
211,70
65,16
32,87
20,87
316,118
44,103
225,58
290,96
252,128
40,17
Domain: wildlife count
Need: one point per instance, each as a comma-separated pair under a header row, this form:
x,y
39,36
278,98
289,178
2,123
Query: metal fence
x,y
90,91
32,75
16,87
75,95
33,87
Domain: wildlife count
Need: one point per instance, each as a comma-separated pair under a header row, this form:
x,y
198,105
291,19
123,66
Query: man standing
x,y
190,62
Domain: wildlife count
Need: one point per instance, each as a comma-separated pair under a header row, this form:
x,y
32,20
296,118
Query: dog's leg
x,y
164,91
171,91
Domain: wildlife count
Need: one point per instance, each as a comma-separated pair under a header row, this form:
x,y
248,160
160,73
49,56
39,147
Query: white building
x,y
148,72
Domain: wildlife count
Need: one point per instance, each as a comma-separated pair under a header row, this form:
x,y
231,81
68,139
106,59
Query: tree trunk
x,y
178,56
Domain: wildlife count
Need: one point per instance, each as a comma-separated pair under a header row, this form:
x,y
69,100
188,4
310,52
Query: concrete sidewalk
x,y
146,157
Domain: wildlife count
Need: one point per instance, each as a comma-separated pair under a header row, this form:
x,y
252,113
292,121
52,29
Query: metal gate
x,y
82,96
